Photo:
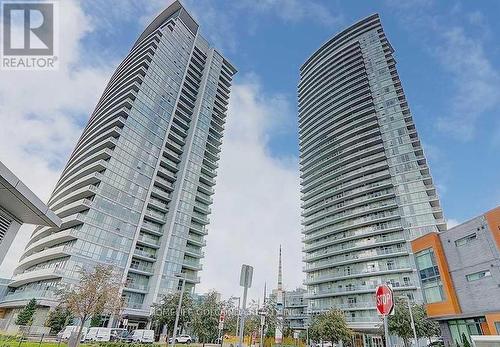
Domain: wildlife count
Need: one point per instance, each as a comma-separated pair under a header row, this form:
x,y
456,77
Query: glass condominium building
x,y
365,183
137,189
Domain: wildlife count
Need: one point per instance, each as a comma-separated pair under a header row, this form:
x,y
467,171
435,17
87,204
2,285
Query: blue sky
x,y
440,48
448,57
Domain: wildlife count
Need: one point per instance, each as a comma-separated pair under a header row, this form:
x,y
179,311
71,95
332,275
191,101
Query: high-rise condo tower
x,y
137,189
365,183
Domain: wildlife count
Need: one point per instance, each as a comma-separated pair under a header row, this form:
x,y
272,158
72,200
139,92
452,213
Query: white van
x,y
103,334
65,334
142,335
91,334
98,334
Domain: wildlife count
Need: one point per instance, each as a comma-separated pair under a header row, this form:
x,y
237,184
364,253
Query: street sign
x,y
385,300
385,306
246,276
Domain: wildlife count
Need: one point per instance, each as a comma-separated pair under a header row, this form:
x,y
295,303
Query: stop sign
x,y
385,300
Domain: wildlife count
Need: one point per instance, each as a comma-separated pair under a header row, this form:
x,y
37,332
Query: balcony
x,y
207,179
136,287
196,240
140,254
35,276
155,216
45,255
354,289
169,164
148,241
355,258
200,218
157,204
204,209
351,235
354,213
167,174
160,193
142,269
164,184
152,228
356,246
194,252
206,199
192,265
26,295
341,275
205,188
73,196
198,229
51,240
74,207
67,222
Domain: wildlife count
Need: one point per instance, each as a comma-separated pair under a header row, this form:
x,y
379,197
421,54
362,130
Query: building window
x,y
497,326
478,275
466,240
467,327
432,286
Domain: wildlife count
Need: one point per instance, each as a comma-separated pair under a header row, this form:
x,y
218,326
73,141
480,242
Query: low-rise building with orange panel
x,y
459,270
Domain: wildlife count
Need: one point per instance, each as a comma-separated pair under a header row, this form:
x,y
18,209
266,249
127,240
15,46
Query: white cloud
x,y
461,41
42,114
256,205
452,223
295,10
477,82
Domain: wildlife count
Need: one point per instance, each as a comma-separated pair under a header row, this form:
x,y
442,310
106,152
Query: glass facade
x,y
432,286
136,191
365,183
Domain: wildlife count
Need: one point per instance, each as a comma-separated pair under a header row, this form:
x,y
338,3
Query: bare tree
x,y
97,293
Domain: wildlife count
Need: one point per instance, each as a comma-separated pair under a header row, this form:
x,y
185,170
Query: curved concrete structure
x,y
366,187
136,190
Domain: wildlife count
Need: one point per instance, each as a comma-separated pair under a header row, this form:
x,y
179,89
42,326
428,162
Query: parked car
x,y
142,335
181,339
120,334
437,343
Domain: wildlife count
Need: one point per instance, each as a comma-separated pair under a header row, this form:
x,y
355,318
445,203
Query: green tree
x,y
465,341
96,320
231,317
25,317
400,322
205,322
164,311
96,293
330,326
425,326
58,319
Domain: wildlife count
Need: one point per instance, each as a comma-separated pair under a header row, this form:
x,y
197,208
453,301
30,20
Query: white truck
x,y
143,336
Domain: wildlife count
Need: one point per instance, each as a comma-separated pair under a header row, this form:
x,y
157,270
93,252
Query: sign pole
x,y
242,318
385,306
245,282
386,332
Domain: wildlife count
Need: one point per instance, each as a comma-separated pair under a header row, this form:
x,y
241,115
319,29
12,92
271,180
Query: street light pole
x,y
412,321
237,313
178,312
